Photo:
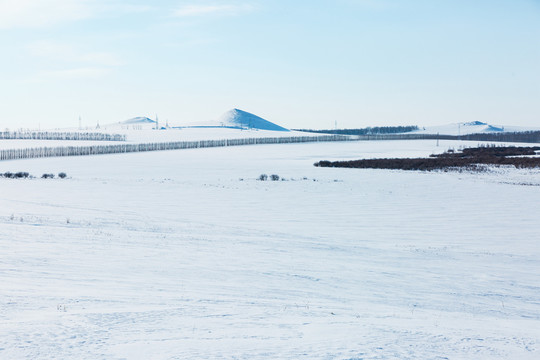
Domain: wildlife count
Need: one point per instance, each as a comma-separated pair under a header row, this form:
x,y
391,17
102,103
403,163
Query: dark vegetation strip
x,y
25,175
525,136
450,159
395,133
377,130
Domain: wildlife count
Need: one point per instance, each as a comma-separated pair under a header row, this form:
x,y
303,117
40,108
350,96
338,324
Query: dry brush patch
x,y
520,157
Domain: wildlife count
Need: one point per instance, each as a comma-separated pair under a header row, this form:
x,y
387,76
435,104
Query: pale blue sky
x,y
301,64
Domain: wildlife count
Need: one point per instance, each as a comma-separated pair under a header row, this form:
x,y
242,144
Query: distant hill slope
x,y
244,119
136,123
138,120
240,119
474,127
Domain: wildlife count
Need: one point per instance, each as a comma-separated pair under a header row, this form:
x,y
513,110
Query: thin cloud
x,y
40,13
372,4
121,7
66,53
43,13
204,10
131,8
101,58
72,74
74,62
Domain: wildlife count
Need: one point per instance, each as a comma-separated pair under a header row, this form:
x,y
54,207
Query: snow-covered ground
x,y
184,254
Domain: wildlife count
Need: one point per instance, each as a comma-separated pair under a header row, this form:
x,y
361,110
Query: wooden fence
x,y
13,154
57,135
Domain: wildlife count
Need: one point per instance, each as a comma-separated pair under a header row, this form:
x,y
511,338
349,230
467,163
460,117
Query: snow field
x,y
170,255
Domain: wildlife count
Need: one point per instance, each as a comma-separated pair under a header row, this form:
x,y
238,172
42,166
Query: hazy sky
x,y
301,64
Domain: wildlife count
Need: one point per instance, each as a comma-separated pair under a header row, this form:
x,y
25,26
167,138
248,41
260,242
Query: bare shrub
x,y
467,158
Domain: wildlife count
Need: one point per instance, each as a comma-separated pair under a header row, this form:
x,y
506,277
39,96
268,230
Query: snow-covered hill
x,y
136,123
473,127
138,120
240,119
233,119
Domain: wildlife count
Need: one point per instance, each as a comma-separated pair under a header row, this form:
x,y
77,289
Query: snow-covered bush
x,y
263,177
62,175
274,177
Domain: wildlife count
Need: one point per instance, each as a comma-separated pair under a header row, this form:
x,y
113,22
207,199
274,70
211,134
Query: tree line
x,y
397,133
59,135
366,131
524,136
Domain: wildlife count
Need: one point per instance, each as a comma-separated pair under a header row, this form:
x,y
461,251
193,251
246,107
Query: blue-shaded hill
x,y
242,119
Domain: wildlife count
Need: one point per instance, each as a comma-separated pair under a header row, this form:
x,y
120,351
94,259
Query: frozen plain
x,y
185,255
